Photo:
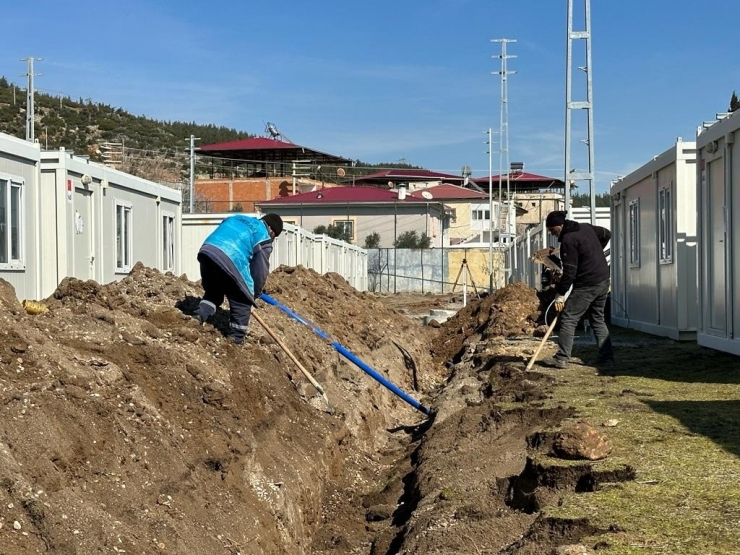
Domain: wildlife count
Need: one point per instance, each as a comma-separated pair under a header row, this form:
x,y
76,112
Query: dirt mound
x,y
512,311
127,427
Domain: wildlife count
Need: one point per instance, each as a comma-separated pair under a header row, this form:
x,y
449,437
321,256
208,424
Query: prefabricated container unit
x,y
653,246
295,246
98,222
21,263
718,195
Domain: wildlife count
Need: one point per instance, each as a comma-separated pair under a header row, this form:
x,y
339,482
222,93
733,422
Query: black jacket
x,y
582,253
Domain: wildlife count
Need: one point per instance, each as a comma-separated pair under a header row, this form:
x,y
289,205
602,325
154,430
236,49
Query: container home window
x,y
665,225
168,243
123,236
634,208
11,223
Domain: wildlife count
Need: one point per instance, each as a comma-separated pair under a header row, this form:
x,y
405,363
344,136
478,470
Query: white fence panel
x,y
294,247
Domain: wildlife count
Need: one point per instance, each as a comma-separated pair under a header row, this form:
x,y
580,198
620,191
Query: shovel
x,y
292,357
547,335
542,344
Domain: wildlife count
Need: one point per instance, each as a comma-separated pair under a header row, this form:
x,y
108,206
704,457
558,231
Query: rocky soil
x,y
126,427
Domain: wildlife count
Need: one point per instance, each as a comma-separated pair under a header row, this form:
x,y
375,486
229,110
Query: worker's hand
x,y
560,303
258,303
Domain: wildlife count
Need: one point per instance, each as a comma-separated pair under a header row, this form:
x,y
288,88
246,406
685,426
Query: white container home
x,y
95,222
718,179
653,246
20,254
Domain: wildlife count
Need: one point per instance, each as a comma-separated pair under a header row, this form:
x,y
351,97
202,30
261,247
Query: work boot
x,y
198,318
604,363
553,362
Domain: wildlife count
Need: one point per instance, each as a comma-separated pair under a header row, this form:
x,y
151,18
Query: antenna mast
x,y
504,141
30,120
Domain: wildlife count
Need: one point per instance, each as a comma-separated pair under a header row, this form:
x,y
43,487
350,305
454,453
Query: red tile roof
x,y
521,177
448,191
343,195
409,174
256,143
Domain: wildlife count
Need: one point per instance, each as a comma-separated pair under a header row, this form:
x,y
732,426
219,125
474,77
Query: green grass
x,y
678,407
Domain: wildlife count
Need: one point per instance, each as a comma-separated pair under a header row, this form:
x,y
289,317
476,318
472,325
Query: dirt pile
x,y
515,310
126,427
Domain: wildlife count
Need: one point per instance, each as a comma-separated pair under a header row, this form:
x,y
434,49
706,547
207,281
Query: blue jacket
x,y
241,246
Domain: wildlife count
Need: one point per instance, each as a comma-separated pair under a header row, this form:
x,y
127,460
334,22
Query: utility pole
x,y
490,210
193,138
29,98
571,175
503,136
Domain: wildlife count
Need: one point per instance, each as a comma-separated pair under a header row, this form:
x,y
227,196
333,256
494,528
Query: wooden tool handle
x,y
542,343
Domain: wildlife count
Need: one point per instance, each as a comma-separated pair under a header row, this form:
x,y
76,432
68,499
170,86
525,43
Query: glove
x,y
560,303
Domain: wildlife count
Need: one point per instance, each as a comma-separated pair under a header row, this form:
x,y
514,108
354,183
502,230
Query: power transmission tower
x,y
504,142
30,131
571,174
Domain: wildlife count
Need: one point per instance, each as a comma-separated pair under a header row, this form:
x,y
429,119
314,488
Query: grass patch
x,y
678,407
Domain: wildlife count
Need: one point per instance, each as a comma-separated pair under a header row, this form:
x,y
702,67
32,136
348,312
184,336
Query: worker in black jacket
x,y
585,269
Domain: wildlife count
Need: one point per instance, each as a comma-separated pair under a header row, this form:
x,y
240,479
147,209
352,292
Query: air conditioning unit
x,y
711,148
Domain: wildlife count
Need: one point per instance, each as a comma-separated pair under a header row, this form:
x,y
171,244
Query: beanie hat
x,y
555,218
274,222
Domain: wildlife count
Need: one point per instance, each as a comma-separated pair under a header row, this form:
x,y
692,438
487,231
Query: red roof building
x,y
363,211
520,182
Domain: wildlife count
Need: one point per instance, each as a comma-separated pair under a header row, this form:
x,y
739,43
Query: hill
x,y
152,149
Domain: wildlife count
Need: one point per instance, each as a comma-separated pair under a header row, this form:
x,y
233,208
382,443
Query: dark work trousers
x,y
217,284
589,300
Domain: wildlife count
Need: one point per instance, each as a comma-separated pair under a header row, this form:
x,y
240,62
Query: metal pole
x,y
490,211
193,138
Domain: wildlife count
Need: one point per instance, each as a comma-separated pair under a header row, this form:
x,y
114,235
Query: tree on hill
x,y
139,145
584,199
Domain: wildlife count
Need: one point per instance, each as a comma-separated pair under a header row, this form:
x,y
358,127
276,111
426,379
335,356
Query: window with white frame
x,y
480,212
634,208
11,222
665,225
123,236
168,242
347,226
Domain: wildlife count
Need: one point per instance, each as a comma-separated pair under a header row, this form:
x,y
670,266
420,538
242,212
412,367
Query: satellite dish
x,y
466,171
427,195
340,172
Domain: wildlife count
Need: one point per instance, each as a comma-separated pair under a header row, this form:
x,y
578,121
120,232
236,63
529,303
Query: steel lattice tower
x,y
572,175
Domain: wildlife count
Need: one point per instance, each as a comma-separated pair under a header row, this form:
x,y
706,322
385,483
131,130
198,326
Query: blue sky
x,y
394,80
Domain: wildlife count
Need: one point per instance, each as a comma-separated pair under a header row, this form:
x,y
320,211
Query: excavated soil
x,y
126,427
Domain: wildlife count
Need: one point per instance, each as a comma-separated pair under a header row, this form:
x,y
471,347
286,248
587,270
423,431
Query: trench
x,y
500,507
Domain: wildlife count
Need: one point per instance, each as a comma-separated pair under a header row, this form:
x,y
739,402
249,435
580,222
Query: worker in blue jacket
x,y
586,270
234,263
